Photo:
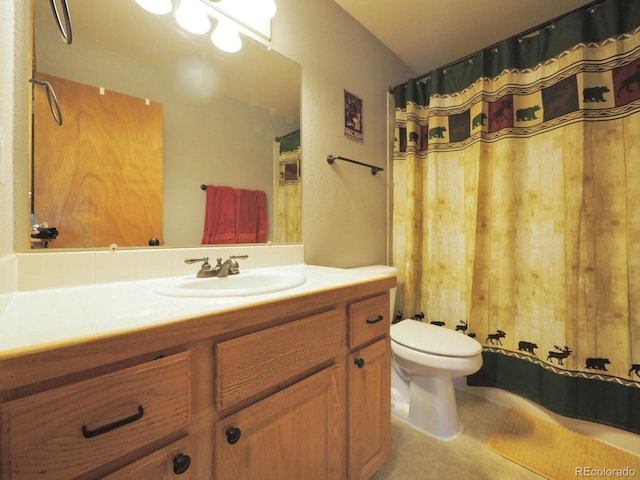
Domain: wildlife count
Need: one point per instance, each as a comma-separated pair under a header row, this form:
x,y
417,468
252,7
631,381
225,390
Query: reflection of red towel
x,y
235,216
247,217
252,216
220,215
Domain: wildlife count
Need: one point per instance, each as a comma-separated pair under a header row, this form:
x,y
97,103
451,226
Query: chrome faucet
x,y
229,267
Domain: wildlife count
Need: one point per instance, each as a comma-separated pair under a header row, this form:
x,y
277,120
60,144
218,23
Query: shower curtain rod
x,y
374,169
277,139
548,23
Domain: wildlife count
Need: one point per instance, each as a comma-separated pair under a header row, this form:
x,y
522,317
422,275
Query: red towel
x,y
252,216
247,221
220,215
235,216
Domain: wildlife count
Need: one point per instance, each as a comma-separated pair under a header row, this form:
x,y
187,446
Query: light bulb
x,y
192,16
157,7
226,36
264,9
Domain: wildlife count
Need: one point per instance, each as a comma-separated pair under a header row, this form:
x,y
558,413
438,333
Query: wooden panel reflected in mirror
x,y
98,176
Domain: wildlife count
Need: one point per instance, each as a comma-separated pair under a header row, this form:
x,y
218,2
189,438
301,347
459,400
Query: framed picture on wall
x,y
289,171
353,116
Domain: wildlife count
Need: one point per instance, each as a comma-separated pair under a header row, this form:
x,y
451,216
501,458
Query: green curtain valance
x,y
290,142
590,24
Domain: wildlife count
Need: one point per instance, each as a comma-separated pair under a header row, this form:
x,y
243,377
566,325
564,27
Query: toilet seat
x,y
433,339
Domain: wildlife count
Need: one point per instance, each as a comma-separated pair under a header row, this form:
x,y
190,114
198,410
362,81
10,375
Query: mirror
x,y
221,112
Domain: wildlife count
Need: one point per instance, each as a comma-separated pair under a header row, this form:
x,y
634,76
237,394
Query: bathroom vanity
x,y
274,387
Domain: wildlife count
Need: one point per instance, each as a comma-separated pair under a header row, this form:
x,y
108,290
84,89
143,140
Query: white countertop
x,y
54,316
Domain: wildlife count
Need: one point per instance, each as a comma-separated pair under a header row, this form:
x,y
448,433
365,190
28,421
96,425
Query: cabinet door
x,y
369,400
297,433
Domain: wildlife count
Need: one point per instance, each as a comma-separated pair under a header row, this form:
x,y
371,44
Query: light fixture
x,y
192,16
226,37
249,11
249,17
157,7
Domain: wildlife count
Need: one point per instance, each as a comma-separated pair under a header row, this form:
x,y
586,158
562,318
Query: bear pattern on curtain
x,y
516,212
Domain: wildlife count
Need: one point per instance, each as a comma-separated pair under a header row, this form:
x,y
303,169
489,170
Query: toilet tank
x,y
384,270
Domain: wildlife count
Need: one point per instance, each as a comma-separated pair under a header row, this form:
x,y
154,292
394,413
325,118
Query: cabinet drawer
x,y
368,319
254,363
173,461
66,432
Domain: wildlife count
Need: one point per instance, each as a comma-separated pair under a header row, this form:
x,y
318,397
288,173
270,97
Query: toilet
x,y
425,360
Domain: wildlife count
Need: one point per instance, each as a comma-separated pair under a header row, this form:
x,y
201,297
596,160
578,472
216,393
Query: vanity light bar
x,y
243,28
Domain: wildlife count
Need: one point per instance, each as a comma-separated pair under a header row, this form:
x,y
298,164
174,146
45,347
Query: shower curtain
x,y
288,190
516,214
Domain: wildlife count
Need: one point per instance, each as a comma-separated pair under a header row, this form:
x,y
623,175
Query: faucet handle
x,y
206,266
195,260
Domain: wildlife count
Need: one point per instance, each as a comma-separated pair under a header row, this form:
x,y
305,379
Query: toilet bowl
x,y
425,359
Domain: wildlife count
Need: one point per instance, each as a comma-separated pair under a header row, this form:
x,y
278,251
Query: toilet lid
x,y
433,339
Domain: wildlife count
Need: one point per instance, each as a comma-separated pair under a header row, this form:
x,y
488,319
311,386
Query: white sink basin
x,y
246,283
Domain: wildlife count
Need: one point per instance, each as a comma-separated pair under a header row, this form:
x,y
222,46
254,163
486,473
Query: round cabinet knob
x,y
181,463
359,362
233,435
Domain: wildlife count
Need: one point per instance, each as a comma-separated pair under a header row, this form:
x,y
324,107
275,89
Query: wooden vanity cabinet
x,y
313,429
298,431
369,387
295,389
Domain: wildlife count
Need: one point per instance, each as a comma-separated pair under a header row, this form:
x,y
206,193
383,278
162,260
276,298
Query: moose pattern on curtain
x,y
517,211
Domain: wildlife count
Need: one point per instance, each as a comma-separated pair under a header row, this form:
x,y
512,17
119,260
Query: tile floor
x,y
417,456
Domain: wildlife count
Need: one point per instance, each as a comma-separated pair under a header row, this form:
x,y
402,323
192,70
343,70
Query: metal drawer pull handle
x,y
86,433
359,362
375,320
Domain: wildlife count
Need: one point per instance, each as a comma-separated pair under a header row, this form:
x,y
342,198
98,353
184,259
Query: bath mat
x,y
558,453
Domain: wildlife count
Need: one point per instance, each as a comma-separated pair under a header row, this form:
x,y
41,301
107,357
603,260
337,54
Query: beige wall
x,y
10,37
344,206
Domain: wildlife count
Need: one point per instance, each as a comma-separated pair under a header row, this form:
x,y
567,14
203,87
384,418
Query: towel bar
x,y
374,169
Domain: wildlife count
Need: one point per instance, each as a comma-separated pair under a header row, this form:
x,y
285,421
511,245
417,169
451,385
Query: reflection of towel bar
x,y
374,169
65,30
54,105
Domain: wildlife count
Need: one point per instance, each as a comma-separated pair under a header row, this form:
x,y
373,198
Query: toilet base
x,y
432,406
